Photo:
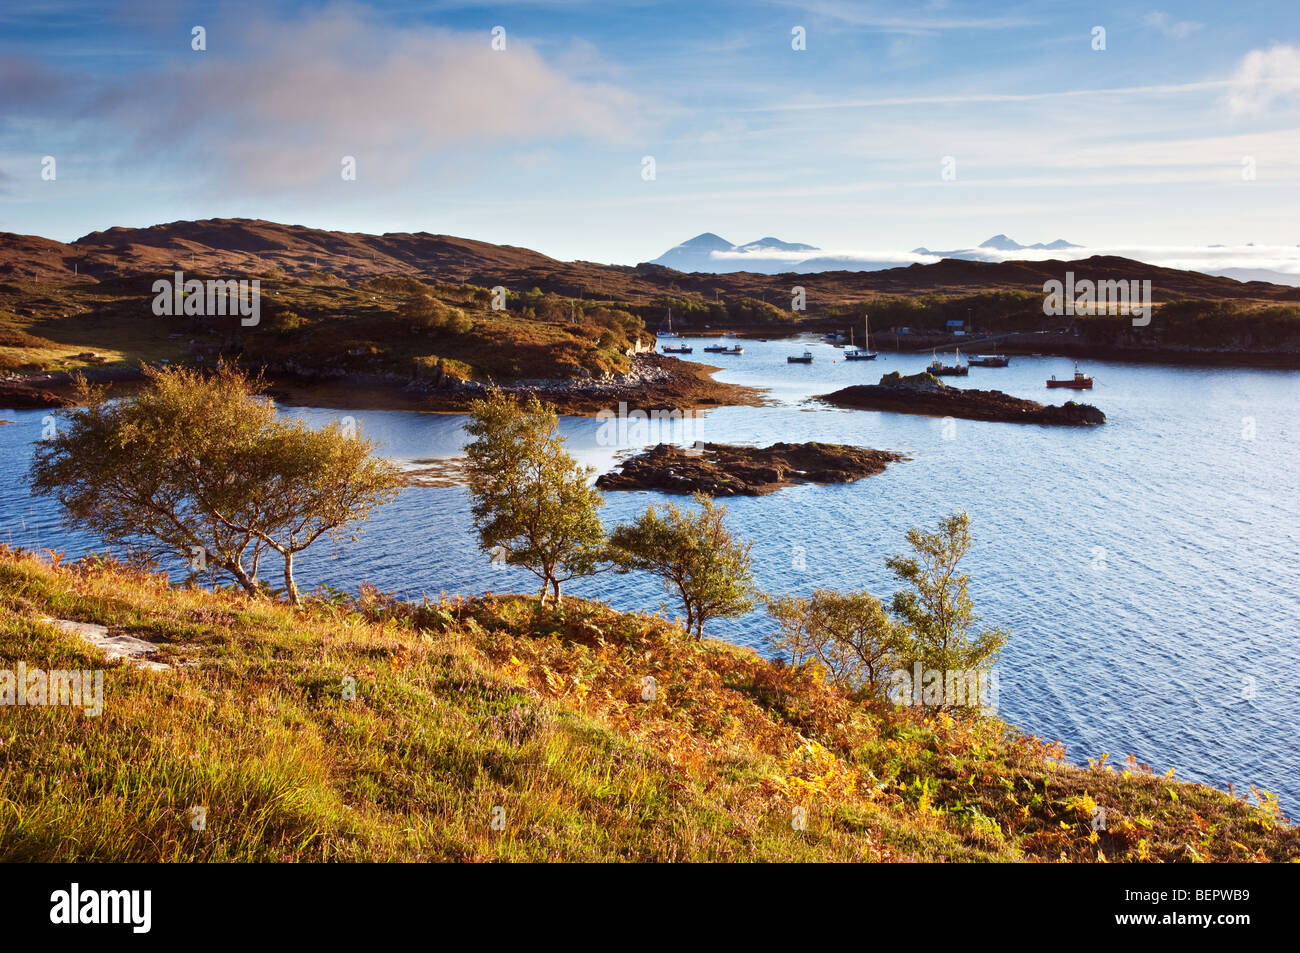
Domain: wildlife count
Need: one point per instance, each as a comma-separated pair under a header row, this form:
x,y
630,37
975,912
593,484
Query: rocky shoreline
x,y
927,395
654,382
724,470
24,394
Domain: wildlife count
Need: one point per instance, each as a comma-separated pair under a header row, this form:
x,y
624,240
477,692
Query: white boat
x,y
861,353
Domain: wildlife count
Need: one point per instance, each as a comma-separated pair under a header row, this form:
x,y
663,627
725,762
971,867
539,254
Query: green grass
x,y
466,706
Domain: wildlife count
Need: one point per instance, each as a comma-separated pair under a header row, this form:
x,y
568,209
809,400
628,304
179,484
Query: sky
x,y
612,131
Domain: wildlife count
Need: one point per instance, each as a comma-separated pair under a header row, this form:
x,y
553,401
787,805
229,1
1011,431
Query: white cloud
x,y
857,14
1178,29
1264,77
276,104
970,98
1284,259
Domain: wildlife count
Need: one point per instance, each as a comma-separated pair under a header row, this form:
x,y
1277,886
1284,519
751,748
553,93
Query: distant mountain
x,y
771,256
1003,243
1257,274
278,252
764,244
962,254
831,263
998,243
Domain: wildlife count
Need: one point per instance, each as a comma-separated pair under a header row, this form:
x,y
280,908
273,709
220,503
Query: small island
x,y
927,395
723,470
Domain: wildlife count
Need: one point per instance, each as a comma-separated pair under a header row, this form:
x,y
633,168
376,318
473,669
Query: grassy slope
x,y
465,706
45,325
356,328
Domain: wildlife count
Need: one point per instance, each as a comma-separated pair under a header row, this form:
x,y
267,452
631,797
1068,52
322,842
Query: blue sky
x,y
841,145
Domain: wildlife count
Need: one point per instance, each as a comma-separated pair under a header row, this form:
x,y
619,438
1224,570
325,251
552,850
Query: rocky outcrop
x,y
925,394
653,382
722,470
131,650
17,395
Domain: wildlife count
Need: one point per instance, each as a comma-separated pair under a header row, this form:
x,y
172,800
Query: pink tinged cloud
x,y
274,105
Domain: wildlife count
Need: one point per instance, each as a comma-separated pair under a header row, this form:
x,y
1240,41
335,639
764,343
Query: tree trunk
x,y
558,600
236,569
290,589
541,596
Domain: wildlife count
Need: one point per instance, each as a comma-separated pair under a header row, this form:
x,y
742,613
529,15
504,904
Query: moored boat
x,y
990,360
805,359
863,353
669,333
957,369
676,349
1080,381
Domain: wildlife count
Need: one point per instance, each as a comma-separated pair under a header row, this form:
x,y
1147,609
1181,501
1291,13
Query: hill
x,y
487,730
251,247
336,325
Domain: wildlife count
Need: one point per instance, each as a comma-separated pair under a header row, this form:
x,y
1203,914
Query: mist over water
x,y
1149,570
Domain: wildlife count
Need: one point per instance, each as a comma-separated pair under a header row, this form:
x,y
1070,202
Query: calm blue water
x,y
1147,569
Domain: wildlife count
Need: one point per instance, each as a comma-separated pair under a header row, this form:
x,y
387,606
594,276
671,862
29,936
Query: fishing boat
x,y
861,353
734,349
1080,381
716,349
805,359
676,349
956,369
990,360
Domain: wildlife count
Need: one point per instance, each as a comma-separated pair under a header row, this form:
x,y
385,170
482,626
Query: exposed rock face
x,y
22,396
925,394
722,470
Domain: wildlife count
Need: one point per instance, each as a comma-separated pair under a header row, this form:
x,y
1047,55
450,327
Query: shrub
x,y
532,502
694,554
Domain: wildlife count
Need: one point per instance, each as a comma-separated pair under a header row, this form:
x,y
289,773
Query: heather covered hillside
x,y
363,729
